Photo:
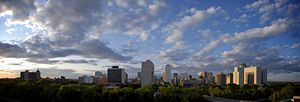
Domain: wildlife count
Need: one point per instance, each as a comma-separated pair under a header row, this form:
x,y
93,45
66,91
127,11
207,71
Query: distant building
x,y
220,79
98,74
147,73
26,75
139,75
102,80
206,77
229,78
167,74
86,79
116,76
249,75
183,77
175,79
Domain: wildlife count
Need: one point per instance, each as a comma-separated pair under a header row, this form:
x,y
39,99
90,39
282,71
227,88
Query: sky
x,y
78,37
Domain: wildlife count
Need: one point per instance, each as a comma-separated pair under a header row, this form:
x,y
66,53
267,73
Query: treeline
x,y
246,92
286,92
48,91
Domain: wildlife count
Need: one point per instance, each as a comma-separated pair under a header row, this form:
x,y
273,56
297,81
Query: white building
x,y
249,75
167,74
86,79
147,73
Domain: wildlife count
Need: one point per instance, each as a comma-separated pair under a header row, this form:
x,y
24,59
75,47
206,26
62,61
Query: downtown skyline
x,y
78,37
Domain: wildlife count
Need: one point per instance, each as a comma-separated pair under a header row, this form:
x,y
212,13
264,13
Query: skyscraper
x,y
238,74
147,73
167,74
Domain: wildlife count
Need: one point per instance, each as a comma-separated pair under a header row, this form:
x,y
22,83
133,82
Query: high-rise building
x,y
249,75
167,73
220,79
147,73
26,75
175,78
116,76
229,78
98,74
86,79
238,74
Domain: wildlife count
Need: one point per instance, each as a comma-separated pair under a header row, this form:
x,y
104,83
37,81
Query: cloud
x,y
296,45
259,34
176,29
8,50
173,54
277,27
20,10
262,56
267,8
66,25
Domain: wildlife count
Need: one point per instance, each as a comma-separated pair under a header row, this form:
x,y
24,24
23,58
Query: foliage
x,y
286,92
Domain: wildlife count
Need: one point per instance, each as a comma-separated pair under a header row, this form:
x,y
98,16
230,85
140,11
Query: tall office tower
x,y
220,79
98,74
116,76
238,74
26,75
147,73
167,74
229,78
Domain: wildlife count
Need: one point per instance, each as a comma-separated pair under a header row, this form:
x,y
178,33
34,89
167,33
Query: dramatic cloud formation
x,y
193,36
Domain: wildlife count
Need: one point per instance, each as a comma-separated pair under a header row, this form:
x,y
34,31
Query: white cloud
x,y
296,45
10,30
176,29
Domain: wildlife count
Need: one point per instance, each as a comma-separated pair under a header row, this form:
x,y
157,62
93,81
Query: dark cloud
x,y
21,9
42,61
9,50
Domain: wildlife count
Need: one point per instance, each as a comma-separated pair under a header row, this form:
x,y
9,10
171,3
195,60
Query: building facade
x,y
26,75
116,76
98,74
86,79
229,78
206,77
249,75
147,73
167,74
220,79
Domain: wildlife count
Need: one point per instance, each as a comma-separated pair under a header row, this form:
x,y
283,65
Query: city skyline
x,y
75,38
